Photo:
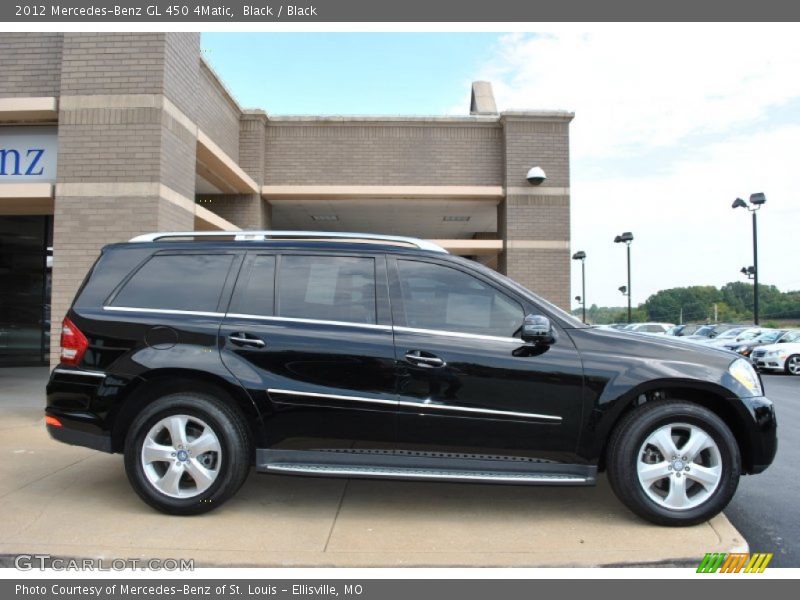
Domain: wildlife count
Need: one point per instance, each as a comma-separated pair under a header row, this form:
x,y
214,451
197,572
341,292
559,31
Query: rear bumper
x,y
77,398
69,434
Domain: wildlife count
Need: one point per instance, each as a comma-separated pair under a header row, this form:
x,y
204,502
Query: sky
x,y
673,122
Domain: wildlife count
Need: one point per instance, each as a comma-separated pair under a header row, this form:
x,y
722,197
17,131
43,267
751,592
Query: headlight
x,y
743,372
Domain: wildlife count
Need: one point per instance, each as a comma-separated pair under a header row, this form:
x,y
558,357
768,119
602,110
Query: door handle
x,y
424,359
243,339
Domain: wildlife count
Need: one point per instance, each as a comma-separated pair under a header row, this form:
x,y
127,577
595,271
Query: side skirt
x,y
436,466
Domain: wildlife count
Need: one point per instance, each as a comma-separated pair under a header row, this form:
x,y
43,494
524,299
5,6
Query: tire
x,y
792,365
167,476
650,486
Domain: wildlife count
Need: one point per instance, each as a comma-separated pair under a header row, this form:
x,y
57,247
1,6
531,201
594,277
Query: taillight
x,y
73,343
52,421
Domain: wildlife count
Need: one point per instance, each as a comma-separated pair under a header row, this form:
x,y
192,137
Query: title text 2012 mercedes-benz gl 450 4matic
x,y
199,355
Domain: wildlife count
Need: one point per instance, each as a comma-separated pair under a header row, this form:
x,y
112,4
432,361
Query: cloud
x,y
672,123
639,87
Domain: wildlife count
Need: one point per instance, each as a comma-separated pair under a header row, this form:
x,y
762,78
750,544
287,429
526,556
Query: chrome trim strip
x,y
164,311
421,474
309,321
417,405
484,411
331,396
97,374
262,235
459,334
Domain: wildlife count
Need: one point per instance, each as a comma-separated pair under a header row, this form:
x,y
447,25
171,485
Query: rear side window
x,y
328,288
177,282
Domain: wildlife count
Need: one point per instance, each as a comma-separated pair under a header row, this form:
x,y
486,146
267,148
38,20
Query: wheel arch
x,y
160,382
709,396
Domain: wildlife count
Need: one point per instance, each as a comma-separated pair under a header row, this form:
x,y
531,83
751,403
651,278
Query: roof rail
x,y
293,235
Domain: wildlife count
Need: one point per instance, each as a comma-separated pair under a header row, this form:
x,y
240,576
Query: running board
x,y
388,465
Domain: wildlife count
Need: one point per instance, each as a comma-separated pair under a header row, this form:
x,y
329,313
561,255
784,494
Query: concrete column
x,y
127,148
533,221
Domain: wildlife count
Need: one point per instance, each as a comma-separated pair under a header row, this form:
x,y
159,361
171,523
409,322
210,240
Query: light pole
x,y
626,238
756,201
581,256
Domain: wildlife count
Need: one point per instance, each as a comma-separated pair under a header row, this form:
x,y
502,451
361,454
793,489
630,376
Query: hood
x,y
665,347
790,347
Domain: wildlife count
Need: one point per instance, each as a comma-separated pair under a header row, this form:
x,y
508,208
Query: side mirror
x,y
537,329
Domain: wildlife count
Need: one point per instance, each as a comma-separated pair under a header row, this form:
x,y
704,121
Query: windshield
x,y
749,334
769,336
792,336
731,333
705,330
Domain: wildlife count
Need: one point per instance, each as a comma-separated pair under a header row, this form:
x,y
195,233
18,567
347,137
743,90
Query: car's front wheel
x,y
673,463
187,453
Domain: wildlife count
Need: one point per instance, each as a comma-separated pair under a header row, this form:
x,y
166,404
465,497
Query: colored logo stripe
x,y
735,562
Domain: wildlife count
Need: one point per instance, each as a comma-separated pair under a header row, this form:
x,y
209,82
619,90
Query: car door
x,y
310,334
467,382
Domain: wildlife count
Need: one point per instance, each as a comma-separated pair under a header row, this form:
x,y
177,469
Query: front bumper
x,y
763,439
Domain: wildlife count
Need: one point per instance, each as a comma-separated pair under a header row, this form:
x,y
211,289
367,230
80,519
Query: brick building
x,y
106,136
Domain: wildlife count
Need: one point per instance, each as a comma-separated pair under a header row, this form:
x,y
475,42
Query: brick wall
x,y
375,153
217,115
31,64
537,214
112,63
182,71
108,144
252,145
536,143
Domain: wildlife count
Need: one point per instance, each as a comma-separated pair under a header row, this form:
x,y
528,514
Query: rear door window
x,y
187,282
327,288
255,289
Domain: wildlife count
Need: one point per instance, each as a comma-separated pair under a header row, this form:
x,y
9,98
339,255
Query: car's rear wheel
x,y
793,364
674,463
187,453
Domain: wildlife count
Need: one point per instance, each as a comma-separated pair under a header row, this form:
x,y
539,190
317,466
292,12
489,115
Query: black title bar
x,y
440,11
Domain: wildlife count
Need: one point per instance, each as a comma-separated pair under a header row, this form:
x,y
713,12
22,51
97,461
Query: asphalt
x,y
766,508
73,502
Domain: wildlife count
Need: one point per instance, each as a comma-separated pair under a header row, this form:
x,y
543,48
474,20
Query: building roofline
x,y
560,115
491,119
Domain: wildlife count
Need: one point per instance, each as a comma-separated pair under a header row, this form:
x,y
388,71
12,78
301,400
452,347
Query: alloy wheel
x,y
793,365
679,466
181,456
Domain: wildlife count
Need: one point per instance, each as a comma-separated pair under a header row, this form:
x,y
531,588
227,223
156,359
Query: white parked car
x,y
783,356
735,335
652,328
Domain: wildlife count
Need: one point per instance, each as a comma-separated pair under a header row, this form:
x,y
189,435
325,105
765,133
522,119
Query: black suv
x,y
198,355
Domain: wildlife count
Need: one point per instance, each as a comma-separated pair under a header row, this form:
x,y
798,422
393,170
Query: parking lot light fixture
x,y
626,238
757,200
581,256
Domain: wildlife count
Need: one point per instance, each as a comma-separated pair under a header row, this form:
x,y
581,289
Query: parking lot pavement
x,y
765,508
73,502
